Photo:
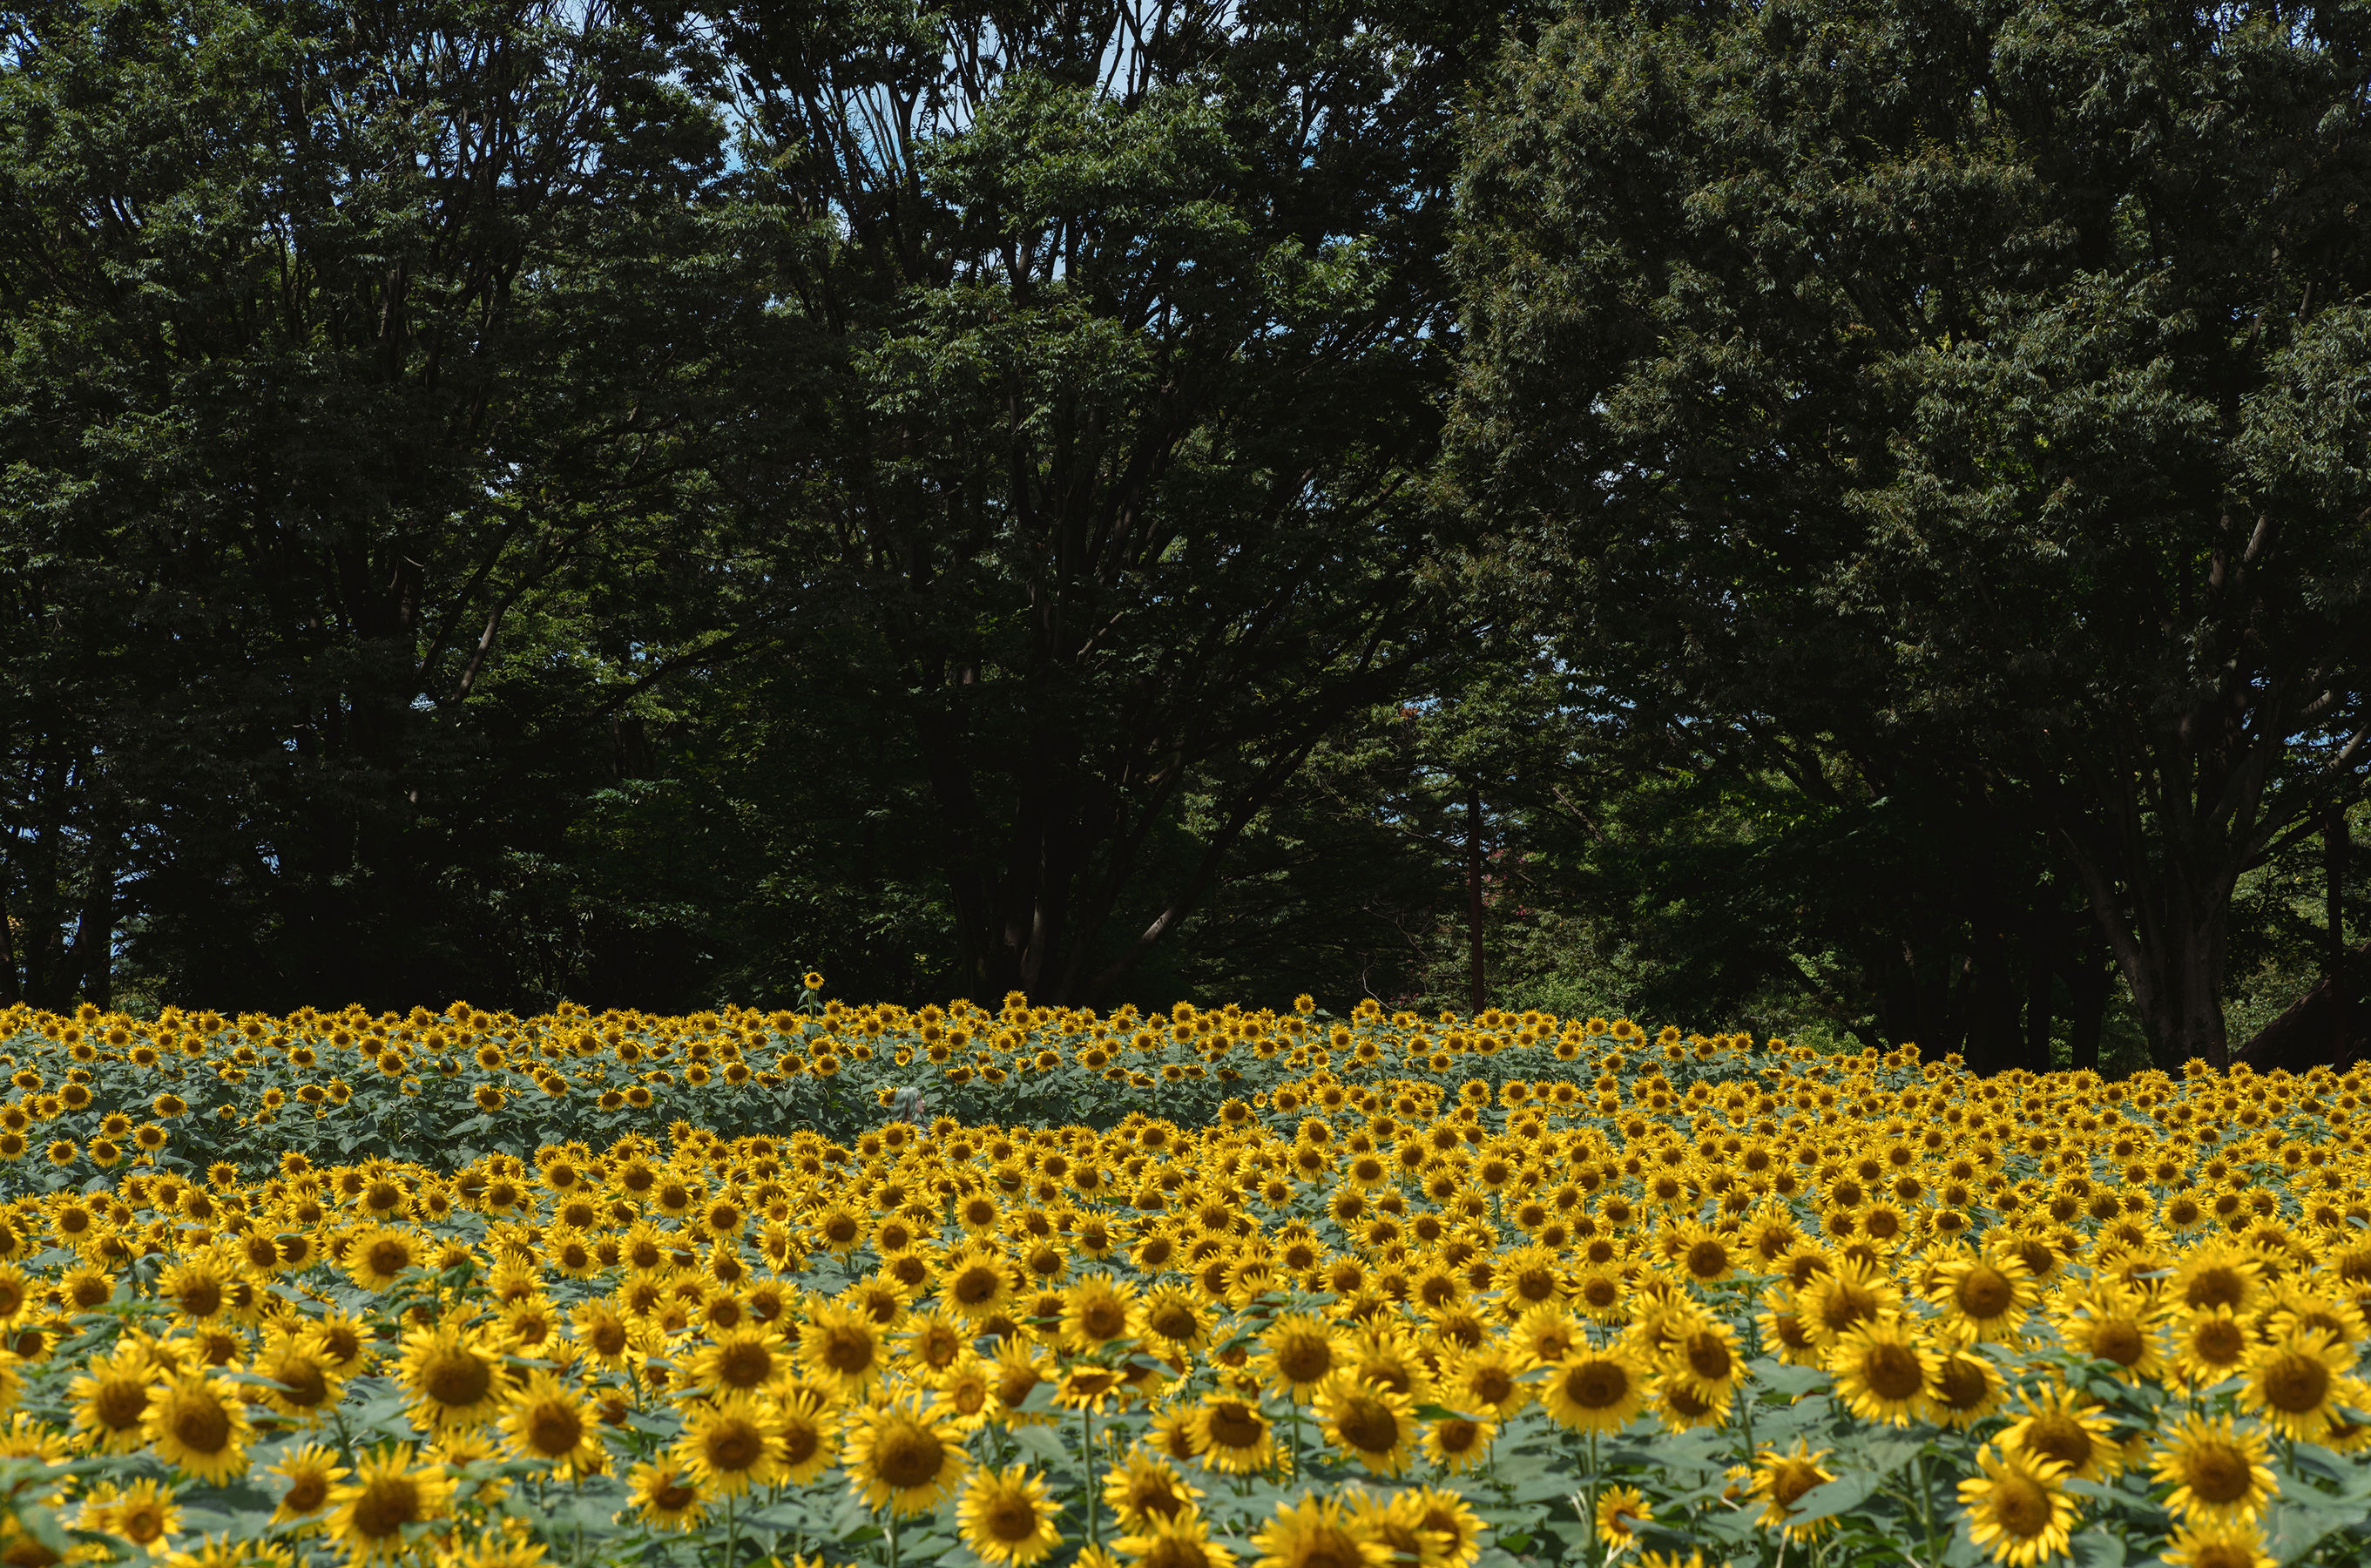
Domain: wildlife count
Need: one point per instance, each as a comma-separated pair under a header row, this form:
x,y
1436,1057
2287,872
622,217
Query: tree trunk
x,y
2335,842
1474,896
92,960
2090,976
2044,942
2307,1035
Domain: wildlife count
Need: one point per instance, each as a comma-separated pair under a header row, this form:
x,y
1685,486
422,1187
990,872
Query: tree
x,y
342,343
1113,482
1976,391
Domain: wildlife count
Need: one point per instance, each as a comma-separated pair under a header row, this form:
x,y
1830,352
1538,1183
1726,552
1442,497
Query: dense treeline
x,y
1851,520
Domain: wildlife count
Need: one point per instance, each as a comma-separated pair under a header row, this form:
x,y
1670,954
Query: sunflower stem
x,y
1087,1464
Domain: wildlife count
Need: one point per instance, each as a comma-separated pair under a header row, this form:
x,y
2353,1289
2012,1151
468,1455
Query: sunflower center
x,y
1304,1358
1707,1260
2060,1437
1985,1292
554,1430
673,1496
800,1439
1102,1321
301,1382
457,1379
2218,1284
2020,1506
1369,1425
608,1336
386,1505
2118,1340
1235,1425
1892,1372
1010,1518
907,1457
1491,1384
976,1284
2296,1383
306,1493
201,1298
847,1350
202,1426
1457,1435
387,1256
2219,1473
744,1365
1596,1385
1707,1356
1962,1385
1791,1479
121,1404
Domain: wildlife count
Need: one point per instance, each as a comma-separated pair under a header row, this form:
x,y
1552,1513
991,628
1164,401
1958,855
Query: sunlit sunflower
x,y
1232,1435
2016,1508
372,1511
1703,1355
744,1361
381,1255
1096,1310
1594,1389
451,1376
843,1349
303,1381
2208,1345
1963,1386
976,1283
1006,1516
143,1512
110,1400
309,1471
1882,1370
2218,1546
2218,1475
1181,1539
2297,1382
666,1495
1988,1296
1145,1486
2112,1323
903,1456
807,1432
2059,1426
1316,1532
1297,1352
1368,1421
1779,1480
199,1422
548,1420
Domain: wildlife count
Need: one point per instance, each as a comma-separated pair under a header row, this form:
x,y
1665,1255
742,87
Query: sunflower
x,y
2297,1382
303,1382
1368,1421
1620,1511
727,1446
199,1422
1146,1486
1485,1378
1987,1296
931,1343
843,1349
1005,1515
143,1512
110,1400
605,1334
666,1495
1232,1436
452,1377
807,1432
1316,1532
976,1283
381,1255
1779,1480
1882,1370
1458,1443
903,1456
1096,1310
1174,1322
1963,1386
744,1361
2016,1509
1594,1390
2218,1546
1173,1541
2217,1274
546,1421
1018,1374
1702,1356
2218,1475
1297,1352
2208,1343
1855,1292
370,1512
310,1471
2110,1323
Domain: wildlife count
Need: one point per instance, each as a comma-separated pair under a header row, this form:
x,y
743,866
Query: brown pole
x,y
1473,889
2334,845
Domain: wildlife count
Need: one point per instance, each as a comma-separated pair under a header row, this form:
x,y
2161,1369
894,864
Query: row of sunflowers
x,y
1654,1301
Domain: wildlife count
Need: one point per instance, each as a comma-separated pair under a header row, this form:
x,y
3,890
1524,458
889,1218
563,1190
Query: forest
x,y
1844,520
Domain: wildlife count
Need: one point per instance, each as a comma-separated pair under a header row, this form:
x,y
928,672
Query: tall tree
x,y
1115,479
1975,389
341,343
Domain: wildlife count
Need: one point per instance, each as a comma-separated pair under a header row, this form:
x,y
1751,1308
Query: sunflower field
x,y
1212,1289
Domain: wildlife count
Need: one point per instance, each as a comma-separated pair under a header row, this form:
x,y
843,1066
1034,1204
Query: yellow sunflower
x,y
1882,1370
1232,1435
310,1471
2218,1475
903,1456
374,1515
451,1376
1368,1421
1779,1480
2297,1382
2016,1509
547,1421
199,1422
1316,1532
1594,1390
1006,1516
665,1494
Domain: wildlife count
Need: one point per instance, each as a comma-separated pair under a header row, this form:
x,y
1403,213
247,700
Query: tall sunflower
x,y
373,1514
1006,1516
2016,1509
2218,1475
903,1456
